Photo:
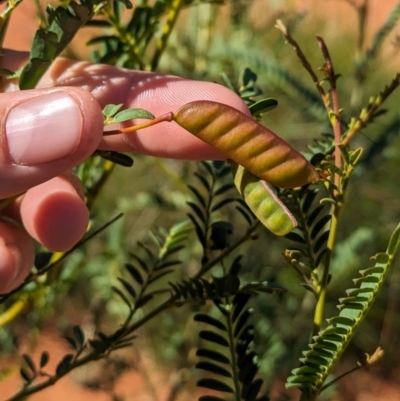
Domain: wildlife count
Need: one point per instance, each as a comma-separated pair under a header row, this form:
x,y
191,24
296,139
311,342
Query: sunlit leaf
x,y
131,114
111,109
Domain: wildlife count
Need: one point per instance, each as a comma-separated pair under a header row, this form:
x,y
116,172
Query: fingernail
x,y
44,129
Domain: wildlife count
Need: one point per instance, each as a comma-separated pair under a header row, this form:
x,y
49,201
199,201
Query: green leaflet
x,y
49,42
330,343
64,22
263,202
246,142
228,353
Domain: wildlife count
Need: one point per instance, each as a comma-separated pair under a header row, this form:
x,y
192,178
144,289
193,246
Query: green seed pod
x,y
248,143
263,202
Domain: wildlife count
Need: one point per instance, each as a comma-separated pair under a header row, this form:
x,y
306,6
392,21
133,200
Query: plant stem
x,y
325,386
234,362
360,62
376,356
368,116
300,55
13,311
323,284
108,168
335,120
308,396
167,117
5,15
125,36
160,308
362,12
166,31
206,250
3,28
88,237
40,14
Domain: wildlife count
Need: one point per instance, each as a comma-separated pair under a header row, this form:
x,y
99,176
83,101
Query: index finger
x,y
154,92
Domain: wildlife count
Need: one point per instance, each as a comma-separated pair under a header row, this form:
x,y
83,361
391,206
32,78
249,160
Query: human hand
x,y
47,131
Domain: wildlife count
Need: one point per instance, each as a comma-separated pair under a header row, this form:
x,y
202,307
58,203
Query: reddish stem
x,y
167,117
335,101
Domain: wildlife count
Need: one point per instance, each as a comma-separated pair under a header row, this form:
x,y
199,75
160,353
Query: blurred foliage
x,y
220,41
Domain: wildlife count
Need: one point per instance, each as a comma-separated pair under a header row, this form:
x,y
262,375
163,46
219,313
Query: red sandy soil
x,y
140,379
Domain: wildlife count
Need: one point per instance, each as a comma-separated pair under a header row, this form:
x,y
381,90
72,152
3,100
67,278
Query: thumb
x,y
43,133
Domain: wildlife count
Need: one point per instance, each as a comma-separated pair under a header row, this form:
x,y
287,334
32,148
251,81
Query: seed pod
x,y
247,142
263,202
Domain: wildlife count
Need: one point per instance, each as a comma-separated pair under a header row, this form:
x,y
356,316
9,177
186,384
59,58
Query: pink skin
x,y
53,194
